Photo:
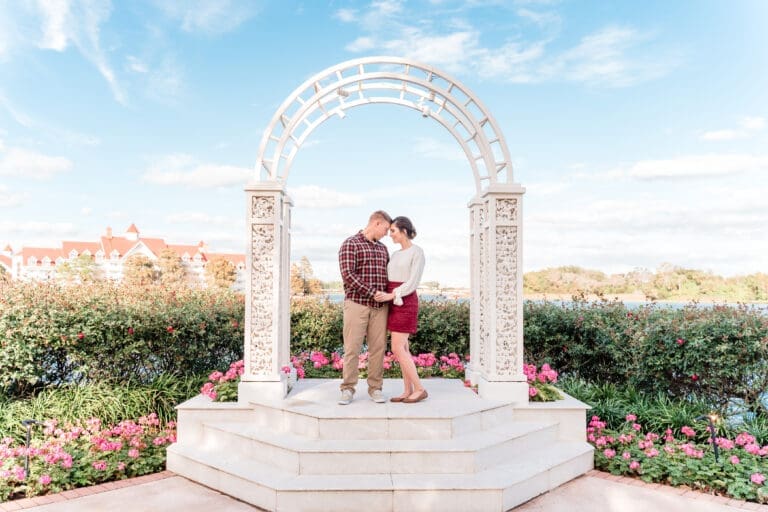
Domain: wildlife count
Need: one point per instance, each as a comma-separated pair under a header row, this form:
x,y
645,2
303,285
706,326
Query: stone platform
x,y
454,451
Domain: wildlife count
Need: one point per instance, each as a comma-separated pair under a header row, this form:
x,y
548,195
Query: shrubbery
x,y
52,334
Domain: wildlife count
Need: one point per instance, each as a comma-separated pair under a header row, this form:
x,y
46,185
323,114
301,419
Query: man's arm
x,y
348,272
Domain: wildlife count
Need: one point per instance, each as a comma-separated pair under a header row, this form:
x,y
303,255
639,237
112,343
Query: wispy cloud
x,y
693,166
439,150
59,134
197,218
313,196
29,164
749,126
9,199
209,17
79,21
182,169
614,56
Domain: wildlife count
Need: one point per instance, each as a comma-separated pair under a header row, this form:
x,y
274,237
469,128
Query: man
x,y
363,264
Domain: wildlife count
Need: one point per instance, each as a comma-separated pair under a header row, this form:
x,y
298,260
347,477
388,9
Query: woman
x,y
404,272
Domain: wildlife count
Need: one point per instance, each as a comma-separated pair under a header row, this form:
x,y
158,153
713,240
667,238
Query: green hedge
x,y
52,334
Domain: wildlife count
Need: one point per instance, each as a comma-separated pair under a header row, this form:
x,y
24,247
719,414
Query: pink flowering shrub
x,y
315,364
85,453
740,472
540,383
223,386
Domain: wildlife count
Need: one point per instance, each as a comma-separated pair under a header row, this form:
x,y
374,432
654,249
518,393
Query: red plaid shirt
x,y
363,266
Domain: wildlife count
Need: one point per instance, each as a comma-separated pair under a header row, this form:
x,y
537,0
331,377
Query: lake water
x,y
339,297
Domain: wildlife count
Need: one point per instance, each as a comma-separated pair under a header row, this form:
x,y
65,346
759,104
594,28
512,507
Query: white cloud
x,y
346,15
8,198
28,164
438,150
197,218
749,126
136,65
86,211
181,169
79,21
698,166
50,229
612,56
209,17
312,196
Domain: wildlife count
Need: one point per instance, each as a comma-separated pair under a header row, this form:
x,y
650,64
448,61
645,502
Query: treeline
x,y
668,282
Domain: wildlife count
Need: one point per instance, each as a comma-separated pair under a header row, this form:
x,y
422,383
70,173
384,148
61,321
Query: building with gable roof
x,y
109,254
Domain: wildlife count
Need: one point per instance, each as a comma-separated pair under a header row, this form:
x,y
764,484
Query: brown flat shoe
x,y
418,398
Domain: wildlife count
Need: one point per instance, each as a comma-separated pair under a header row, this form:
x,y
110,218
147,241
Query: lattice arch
x,y
495,214
391,80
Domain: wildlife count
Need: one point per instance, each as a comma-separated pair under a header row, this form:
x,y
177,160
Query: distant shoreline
x,y
622,297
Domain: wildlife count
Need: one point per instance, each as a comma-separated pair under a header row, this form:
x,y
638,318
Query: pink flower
x,y
532,391
688,431
637,426
609,453
631,417
634,465
169,328
680,341
757,478
734,459
100,465
44,479
626,455
130,330
133,453
120,466
286,370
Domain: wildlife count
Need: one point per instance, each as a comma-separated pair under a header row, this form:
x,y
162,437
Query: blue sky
x,y
638,128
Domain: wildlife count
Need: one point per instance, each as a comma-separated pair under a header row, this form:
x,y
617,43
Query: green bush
x,y
317,325
52,334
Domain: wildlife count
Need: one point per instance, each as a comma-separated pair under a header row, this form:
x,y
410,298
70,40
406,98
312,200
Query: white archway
x,y
496,341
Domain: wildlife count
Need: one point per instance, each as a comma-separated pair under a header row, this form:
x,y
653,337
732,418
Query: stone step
x,y
298,454
312,411
499,488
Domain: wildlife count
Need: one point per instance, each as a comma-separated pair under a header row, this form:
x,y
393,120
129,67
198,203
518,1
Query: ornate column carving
x,y
267,306
499,311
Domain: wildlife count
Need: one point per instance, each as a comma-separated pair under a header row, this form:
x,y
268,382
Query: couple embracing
x,y
380,295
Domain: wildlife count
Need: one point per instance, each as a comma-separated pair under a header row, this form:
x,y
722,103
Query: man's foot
x,y
377,397
346,397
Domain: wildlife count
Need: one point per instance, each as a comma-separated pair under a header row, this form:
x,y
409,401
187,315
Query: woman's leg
x,y
400,349
407,366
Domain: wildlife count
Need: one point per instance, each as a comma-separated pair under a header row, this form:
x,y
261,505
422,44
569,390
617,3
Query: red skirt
x,y
403,318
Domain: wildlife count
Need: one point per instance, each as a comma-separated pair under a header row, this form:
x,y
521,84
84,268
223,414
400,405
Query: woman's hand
x,y
383,296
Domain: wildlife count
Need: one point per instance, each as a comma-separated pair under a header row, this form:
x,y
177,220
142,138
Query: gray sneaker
x,y
377,397
346,397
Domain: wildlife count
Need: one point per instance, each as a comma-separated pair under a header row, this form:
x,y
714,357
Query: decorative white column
x,y
267,306
477,208
498,346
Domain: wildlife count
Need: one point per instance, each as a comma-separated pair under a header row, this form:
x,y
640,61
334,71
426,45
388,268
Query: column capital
x,y
502,189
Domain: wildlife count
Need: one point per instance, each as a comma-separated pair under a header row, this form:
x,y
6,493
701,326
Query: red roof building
x,y
109,253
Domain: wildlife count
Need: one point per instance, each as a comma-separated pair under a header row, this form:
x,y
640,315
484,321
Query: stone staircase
x,y
454,451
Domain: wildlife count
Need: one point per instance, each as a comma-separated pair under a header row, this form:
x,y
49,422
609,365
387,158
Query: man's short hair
x,y
380,215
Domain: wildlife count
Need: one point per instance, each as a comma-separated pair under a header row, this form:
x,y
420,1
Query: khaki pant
x,y
364,322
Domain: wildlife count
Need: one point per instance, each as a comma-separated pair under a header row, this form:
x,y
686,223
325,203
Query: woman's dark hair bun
x,y
405,224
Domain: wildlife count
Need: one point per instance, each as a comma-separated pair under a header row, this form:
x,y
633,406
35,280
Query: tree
x,y
79,270
5,277
303,280
139,270
172,271
220,273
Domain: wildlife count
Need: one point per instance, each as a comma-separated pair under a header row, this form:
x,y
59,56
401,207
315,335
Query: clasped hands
x,y
380,296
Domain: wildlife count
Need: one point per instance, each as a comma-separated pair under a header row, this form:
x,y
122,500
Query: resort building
x,y
109,253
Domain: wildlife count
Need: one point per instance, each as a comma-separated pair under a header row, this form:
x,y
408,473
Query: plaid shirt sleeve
x,y
349,273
